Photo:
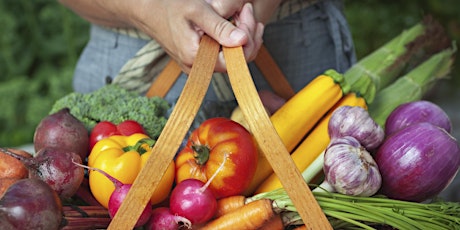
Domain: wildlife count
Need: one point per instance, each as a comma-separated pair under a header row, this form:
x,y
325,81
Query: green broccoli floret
x,y
115,104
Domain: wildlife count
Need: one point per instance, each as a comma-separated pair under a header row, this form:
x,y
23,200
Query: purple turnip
x,y
55,167
30,204
63,131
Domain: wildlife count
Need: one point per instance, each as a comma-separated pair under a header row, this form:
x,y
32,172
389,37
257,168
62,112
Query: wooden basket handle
x,y
181,119
264,62
269,141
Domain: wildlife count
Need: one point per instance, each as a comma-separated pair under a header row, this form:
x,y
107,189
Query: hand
x,y
179,24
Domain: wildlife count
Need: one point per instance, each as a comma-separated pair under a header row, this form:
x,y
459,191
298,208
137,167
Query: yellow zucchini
x,y
299,114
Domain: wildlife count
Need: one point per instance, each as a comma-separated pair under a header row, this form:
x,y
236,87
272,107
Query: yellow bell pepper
x,y
123,158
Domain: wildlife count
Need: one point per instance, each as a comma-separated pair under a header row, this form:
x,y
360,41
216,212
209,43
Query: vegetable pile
x,y
374,153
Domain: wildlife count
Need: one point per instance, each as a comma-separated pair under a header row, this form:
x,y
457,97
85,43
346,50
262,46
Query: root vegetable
x,y
63,131
228,204
251,216
163,219
30,204
192,199
55,167
274,223
118,195
5,183
12,169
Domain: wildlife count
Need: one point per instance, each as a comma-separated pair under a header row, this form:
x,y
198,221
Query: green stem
x,y
201,154
314,168
364,211
138,147
347,218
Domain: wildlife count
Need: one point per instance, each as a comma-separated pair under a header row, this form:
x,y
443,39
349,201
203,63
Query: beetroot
x,y
30,204
63,131
56,168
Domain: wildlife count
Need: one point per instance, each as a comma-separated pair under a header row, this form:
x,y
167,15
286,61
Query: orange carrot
x,y
250,216
228,204
301,227
275,223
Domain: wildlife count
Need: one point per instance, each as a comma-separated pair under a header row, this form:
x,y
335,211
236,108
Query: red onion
x,y
417,162
350,169
355,121
415,112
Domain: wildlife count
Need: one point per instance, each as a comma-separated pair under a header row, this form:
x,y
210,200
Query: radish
x,y
192,199
163,219
118,195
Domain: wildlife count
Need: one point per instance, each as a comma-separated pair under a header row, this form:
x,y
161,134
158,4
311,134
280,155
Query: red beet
x,y
63,131
30,204
56,168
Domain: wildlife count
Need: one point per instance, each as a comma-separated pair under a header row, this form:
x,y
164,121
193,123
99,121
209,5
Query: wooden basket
x,y
182,117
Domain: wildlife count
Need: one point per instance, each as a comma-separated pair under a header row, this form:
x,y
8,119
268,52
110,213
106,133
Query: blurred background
x,y
40,42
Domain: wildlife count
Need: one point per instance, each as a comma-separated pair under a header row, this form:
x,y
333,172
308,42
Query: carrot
x,y
301,227
5,183
11,167
250,216
228,204
275,223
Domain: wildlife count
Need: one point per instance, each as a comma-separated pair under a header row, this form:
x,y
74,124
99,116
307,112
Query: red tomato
x,y
208,145
105,129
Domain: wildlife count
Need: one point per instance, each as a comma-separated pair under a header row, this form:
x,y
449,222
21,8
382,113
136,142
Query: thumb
x,y
222,30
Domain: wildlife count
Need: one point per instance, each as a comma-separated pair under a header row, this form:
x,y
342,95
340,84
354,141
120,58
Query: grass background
x,y
40,42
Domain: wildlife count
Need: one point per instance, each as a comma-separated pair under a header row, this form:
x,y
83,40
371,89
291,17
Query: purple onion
x,y
417,162
416,112
350,169
355,121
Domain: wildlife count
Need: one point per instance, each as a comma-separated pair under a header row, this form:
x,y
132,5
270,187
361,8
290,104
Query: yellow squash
x,y
299,114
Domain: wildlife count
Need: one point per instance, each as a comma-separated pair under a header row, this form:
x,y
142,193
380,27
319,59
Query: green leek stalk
x,y
384,65
412,86
351,212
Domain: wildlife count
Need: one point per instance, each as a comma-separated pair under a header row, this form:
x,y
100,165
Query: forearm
x,y
264,9
101,12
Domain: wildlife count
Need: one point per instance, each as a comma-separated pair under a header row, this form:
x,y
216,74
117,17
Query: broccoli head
x,y
116,104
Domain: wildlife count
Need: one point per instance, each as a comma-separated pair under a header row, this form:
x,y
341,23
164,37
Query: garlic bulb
x,y
355,121
350,169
